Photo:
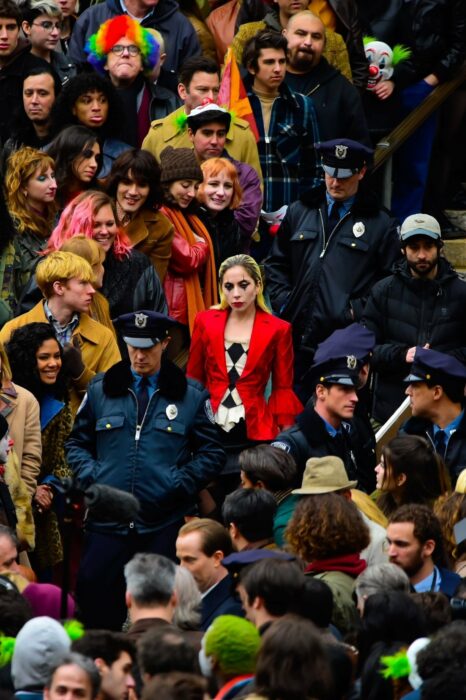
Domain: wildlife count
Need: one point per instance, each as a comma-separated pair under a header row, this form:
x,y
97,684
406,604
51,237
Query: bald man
x,y
337,102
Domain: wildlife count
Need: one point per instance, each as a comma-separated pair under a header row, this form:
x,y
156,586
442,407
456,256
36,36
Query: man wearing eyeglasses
x,y
164,15
15,60
130,56
42,24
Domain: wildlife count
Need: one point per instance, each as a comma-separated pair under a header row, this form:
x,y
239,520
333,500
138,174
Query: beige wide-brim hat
x,y
324,475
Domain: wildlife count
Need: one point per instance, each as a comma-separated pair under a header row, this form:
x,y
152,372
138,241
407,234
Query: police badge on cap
x,y
143,329
343,157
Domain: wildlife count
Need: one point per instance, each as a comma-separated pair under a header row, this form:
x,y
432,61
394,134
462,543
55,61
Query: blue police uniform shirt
x,y
152,382
333,432
450,428
345,206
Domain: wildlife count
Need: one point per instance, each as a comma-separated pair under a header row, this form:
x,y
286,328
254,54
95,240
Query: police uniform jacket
x,y
355,445
455,453
164,462
318,279
403,312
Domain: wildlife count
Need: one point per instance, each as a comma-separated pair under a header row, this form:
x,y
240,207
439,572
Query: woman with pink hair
x,y
130,281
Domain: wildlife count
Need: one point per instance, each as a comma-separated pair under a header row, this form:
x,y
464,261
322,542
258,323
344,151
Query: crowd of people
x,y
205,315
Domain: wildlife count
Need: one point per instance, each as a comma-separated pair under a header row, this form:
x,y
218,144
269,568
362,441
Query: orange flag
x,y
233,95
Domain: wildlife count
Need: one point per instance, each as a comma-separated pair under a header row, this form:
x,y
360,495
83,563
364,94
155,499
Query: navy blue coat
x,y
165,463
220,601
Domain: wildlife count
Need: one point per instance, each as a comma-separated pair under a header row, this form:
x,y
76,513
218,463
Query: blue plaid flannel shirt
x,y
290,165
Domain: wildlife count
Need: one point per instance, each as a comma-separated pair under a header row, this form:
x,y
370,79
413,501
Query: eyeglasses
x,y
119,49
48,26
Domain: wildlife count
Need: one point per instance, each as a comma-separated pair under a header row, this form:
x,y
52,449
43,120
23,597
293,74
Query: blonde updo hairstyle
x,y
250,266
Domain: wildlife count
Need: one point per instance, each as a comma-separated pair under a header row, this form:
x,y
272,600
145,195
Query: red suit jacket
x,y
270,353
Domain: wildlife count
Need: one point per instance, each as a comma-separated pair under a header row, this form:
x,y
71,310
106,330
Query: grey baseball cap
x,y
420,225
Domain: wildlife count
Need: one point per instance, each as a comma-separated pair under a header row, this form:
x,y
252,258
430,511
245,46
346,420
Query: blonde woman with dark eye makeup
x,y
236,347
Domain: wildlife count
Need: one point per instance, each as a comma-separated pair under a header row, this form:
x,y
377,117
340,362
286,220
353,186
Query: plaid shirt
x,y
287,155
64,333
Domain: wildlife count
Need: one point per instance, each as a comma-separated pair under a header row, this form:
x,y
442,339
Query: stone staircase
x,y
455,250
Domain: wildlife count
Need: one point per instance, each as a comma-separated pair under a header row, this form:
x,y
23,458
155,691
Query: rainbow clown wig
x,y
99,44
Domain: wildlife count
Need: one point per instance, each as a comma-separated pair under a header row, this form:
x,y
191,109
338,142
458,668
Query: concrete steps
x,y
455,250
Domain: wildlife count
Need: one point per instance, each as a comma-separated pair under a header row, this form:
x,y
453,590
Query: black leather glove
x,y
72,359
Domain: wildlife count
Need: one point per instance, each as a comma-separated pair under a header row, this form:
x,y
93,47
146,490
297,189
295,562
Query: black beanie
x,y
179,164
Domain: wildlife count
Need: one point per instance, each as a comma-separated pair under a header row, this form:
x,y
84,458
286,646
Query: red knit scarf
x,y
350,564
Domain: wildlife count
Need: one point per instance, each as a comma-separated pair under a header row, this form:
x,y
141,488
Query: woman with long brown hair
x,y
409,471
190,282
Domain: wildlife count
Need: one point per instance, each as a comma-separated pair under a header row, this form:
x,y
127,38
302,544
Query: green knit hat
x,y
234,643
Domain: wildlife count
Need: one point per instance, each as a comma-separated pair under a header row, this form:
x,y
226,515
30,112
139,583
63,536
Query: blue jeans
x,y
411,163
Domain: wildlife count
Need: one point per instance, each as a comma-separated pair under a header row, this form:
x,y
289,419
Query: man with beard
x,y
415,545
421,304
336,101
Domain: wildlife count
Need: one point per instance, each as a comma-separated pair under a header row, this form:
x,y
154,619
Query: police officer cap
x,y
143,329
336,360
343,157
354,340
238,560
436,367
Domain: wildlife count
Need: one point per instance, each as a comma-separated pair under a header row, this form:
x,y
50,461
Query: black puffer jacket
x,y
404,312
455,454
320,282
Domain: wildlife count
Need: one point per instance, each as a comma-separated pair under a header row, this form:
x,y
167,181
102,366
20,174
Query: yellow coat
x,y
240,142
98,346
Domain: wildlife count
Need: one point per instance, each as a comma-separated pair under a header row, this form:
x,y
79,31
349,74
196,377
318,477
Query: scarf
x,y
199,296
350,564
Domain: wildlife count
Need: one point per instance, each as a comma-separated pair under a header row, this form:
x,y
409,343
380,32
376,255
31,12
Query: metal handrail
x,y
390,143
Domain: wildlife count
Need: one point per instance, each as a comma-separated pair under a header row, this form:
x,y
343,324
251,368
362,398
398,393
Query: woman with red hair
x,y
220,194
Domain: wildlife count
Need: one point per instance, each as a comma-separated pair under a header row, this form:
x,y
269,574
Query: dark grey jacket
x,y
319,281
403,312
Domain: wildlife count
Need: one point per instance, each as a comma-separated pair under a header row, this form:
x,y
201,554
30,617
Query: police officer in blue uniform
x,y
329,424
436,386
145,429
332,246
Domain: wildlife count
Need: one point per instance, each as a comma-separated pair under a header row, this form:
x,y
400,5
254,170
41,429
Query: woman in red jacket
x,y
235,348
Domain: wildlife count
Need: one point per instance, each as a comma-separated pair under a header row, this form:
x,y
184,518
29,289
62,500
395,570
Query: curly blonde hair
x,y
326,525
21,166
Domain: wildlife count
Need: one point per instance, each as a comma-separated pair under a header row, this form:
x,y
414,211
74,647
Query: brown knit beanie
x,y
179,164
